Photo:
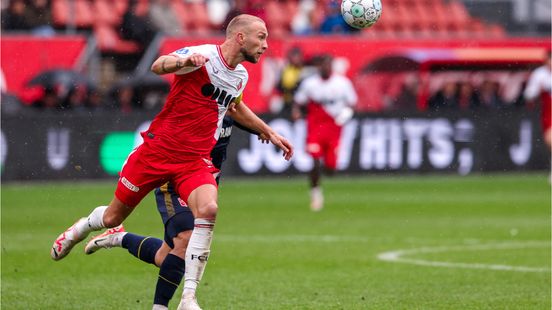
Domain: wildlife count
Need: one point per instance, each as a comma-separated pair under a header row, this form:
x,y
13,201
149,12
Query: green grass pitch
x,y
476,242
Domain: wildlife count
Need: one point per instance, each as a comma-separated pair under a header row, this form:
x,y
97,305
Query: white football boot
x,y
67,240
108,239
317,199
188,303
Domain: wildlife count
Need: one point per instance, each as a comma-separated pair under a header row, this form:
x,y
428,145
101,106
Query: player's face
x,y
254,44
325,68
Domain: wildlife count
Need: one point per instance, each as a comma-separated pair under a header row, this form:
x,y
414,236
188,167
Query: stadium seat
x,y
200,23
276,18
458,15
107,13
495,31
183,13
62,13
108,40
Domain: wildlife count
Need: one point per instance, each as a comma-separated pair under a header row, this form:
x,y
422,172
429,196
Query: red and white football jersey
x,y
332,96
540,84
191,120
540,81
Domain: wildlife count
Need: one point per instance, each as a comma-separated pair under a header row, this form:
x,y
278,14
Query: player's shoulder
x,y
543,70
311,80
204,49
340,78
241,70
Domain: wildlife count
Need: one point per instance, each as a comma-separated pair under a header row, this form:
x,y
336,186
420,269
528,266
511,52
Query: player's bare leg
x,y
203,203
317,198
101,217
548,140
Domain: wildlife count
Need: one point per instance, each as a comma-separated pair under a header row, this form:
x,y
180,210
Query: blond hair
x,y
240,22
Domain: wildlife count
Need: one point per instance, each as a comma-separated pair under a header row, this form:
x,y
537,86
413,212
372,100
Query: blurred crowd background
x,y
126,36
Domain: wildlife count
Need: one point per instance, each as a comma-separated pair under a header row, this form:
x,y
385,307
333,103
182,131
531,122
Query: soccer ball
x,y
361,13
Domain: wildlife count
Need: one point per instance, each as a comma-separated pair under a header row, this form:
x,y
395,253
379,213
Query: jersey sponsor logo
x,y
182,203
183,51
222,97
129,185
208,162
225,132
215,70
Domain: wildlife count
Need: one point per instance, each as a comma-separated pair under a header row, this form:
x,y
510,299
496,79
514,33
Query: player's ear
x,y
240,38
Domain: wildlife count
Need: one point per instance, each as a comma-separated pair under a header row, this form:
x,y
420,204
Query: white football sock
x,y
197,254
93,222
317,199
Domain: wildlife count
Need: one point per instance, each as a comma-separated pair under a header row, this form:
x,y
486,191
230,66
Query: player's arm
x,y
243,115
300,98
244,128
262,137
532,89
171,63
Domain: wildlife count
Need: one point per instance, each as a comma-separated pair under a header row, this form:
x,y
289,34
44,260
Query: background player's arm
x,y
243,115
300,98
532,89
170,63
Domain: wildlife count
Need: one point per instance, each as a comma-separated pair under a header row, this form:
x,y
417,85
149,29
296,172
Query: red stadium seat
x,y
458,15
62,13
108,40
276,18
107,13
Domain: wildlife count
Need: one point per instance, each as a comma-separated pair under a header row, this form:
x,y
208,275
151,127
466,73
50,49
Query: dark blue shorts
x,y
176,216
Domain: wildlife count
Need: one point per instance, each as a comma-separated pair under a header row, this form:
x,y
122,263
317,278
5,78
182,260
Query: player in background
x,y
329,98
167,254
209,81
540,85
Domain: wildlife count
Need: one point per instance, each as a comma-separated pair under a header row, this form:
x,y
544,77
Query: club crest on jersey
x,y
222,97
183,51
239,85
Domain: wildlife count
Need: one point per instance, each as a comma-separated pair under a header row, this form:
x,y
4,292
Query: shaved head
x,y
240,23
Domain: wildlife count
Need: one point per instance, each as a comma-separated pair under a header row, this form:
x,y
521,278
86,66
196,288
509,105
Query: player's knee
x,y
208,210
181,243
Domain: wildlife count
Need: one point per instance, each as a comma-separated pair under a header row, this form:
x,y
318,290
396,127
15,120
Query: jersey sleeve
x,y
301,96
532,89
184,53
351,97
242,85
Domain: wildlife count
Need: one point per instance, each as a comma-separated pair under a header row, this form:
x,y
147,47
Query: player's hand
x,y
263,138
283,144
232,107
197,60
295,113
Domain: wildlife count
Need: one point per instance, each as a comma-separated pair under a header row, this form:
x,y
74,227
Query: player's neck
x,y
231,54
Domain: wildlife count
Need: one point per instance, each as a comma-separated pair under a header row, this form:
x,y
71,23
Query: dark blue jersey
x,y
218,154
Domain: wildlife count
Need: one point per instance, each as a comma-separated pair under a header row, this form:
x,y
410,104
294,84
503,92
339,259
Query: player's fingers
x,y
288,155
283,147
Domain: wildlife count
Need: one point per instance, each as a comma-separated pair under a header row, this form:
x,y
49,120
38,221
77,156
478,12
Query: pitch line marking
x,y
398,256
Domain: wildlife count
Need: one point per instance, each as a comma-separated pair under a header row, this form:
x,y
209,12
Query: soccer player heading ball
x,y
209,82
